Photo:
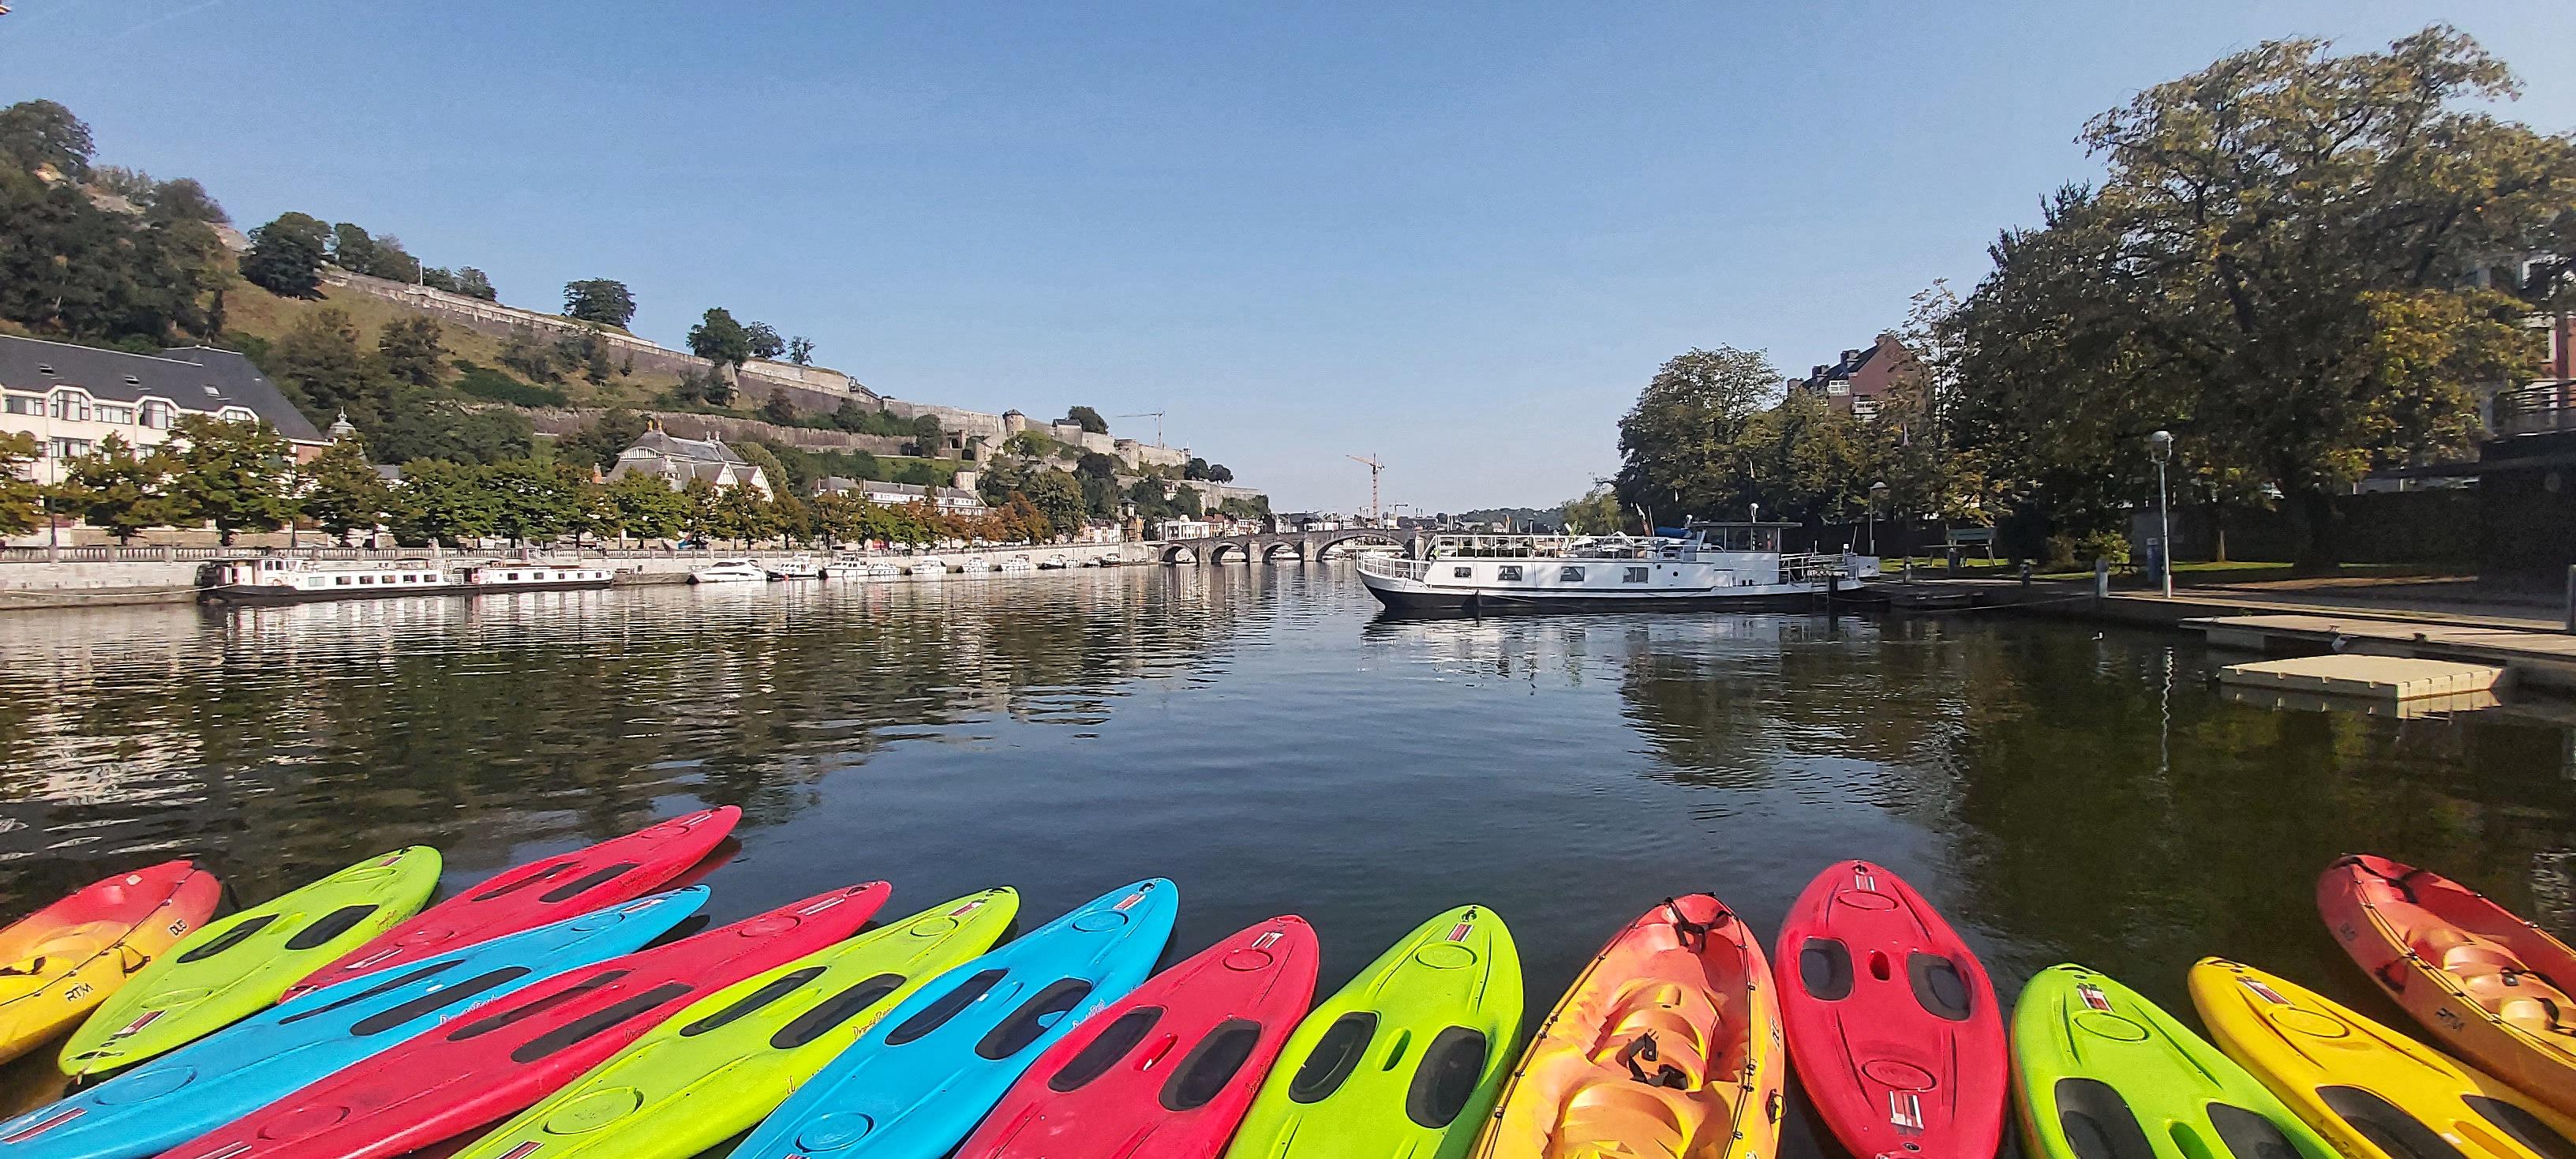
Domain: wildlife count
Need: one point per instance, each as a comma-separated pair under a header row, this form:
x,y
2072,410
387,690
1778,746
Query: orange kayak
x,y
1668,1045
59,962
2491,985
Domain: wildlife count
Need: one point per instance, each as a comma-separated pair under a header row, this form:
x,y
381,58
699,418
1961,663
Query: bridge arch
x,y
1229,551
1180,553
1333,543
1293,548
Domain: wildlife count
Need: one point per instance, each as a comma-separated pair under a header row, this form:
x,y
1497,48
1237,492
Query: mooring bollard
x,y
2101,580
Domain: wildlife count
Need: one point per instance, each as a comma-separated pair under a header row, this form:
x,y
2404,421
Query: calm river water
x,y
1260,737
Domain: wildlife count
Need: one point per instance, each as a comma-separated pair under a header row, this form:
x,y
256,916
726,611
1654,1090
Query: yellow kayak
x,y
62,961
2372,1092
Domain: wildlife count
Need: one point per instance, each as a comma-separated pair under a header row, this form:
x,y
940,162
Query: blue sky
x,y
1456,236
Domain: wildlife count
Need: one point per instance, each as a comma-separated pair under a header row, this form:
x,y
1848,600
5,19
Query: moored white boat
x,y
273,579
1018,564
503,575
975,565
730,571
1055,562
1707,565
846,567
794,567
929,567
884,569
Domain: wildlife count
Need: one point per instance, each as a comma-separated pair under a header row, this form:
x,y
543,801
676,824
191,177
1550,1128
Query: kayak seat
x,y
2494,978
1660,1009
1644,1120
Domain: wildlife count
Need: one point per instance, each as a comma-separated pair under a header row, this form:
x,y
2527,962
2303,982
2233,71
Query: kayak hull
x,y
499,1057
1405,1060
2489,985
716,1068
1892,1021
915,1084
545,890
63,961
1668,1043
2101,1073
235,967
166,1101
1169,1070
2368,1089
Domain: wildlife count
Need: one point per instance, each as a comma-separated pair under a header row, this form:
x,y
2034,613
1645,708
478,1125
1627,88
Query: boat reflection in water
x,y
1706,565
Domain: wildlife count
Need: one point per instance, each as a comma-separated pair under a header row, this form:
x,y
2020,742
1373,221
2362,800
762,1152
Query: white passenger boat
x,y
1018,564
276,579
1707,565
503,575
976,565
1054,563
794,567
730,571
846,567
884,569
929,567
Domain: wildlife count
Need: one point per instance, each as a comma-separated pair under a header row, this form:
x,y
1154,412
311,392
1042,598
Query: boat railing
x,y
1809,567
1394,567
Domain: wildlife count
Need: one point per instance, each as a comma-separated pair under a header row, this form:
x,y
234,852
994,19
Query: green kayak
x,y
236,966
1406,1060
720,1066
2100,1073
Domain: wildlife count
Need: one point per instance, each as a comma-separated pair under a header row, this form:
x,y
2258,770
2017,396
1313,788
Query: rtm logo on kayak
x,y
2093,996
78,992
178,927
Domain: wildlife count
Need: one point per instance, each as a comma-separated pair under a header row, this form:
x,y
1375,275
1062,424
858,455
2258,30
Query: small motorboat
x,y
976,565
846,567
1018,563
884,569
929,567
795,567
1055,563
729,571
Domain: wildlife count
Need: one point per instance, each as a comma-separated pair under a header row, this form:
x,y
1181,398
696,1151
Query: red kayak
x,y
496,1059
1892,1022
531,895
1169,1070
61,961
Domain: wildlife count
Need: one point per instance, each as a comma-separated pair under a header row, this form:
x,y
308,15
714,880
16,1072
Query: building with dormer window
x,y
70,398
676,460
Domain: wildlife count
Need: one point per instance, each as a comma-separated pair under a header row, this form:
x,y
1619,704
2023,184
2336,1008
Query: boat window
x,y
834,1011
1042,1012
342,581
1335,1056
491,1022
777,988
1507,573
366,579
429,971
1825,966
331,925
1446,1077
598,1022
430,1003
937,1014
1937,985
601,876
2396,1132
2525,1127
1572,575
2251,1136
232,937
2099,1124
1103,1052
1462,573
1634,575
1211,1065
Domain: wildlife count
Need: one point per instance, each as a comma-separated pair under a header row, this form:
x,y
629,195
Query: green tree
x,y
22,501
1220,473
741,515
1196,468
1678,443
444,502
1185,501
720,340
606,437
112,489
602,300
646,507
286,255
323,369
800,350
1088,419
422,428
69,268
532,504
698,500
777,409
341,492
233,475
41,134
1596,513
352,249
2276,268
1058,496
928,437
183,199
473,283
412,349
764,340
1150,501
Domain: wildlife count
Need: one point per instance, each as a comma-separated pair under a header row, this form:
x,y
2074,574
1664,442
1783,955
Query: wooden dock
x,y
2527,658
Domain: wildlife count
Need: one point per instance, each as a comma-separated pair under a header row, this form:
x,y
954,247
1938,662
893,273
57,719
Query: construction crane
x,y
1155,415
1375,469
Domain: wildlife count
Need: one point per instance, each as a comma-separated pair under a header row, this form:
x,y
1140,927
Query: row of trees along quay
x,y
239,477
2302,264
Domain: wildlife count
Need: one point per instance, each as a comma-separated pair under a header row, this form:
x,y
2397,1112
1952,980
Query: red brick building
x,y
1861,378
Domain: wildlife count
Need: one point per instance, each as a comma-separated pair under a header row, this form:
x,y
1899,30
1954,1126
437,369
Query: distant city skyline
x,y
1458,240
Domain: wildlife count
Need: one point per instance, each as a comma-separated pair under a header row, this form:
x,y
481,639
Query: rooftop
x,y
194,378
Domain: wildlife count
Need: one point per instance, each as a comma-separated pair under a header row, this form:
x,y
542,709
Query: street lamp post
x,y
2160,445
1877,495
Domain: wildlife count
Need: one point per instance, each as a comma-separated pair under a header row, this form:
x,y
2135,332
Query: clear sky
x,y
1457,236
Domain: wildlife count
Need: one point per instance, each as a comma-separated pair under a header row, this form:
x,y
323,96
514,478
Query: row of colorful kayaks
x,y
554,1010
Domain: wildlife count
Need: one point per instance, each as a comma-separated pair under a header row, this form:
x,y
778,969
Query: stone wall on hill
x,y
565,420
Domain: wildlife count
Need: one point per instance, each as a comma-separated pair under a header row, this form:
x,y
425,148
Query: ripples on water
x,y
1253,733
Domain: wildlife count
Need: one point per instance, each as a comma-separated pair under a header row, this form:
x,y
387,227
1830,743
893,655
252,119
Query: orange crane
x,y
1375,469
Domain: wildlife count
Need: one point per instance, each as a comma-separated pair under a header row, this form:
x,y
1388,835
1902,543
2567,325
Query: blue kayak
x,y
917,1082
261,1059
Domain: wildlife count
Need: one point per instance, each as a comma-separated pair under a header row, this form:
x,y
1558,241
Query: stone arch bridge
x,y
1301,545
